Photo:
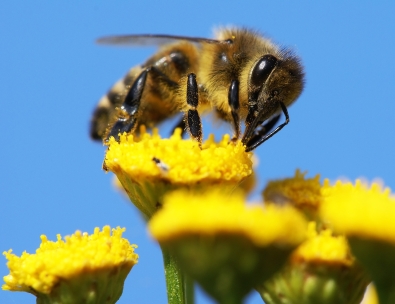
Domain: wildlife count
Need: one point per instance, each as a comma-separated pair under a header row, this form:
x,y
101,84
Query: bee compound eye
x,y
262,69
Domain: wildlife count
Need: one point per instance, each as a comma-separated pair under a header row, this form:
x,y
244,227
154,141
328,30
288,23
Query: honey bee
x,y
240,75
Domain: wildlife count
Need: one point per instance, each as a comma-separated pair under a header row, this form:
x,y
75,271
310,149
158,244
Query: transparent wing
x,y
150,40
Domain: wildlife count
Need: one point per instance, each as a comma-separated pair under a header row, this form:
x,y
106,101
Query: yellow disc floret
x,y
366,215
359,210
214,213
298,191
72,257
322,247
178,161
321,270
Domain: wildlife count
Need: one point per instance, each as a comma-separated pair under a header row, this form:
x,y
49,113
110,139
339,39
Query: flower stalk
x,y
179,286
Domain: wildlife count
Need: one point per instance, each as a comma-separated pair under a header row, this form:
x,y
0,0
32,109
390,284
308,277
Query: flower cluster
x,y
213,233
306,242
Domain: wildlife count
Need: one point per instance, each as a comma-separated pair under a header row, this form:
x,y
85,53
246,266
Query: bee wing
x,y
150,40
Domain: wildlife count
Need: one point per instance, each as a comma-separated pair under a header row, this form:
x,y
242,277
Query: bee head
x,y
273,79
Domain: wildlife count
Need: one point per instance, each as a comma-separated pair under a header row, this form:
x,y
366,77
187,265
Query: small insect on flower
x,y
239,75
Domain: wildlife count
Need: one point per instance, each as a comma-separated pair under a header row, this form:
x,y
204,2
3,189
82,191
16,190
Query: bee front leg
x,y
264,130
233,100
129,109
192,118
263,135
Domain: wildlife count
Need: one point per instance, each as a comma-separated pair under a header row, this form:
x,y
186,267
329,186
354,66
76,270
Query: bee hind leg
x,y
128,111
192,118
265,132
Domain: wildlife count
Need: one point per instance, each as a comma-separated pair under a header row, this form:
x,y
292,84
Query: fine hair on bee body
x,y
240,75
159,100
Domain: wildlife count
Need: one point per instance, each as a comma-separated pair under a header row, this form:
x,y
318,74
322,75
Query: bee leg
x,y
262,136
129,109
192,118
233,100
264,129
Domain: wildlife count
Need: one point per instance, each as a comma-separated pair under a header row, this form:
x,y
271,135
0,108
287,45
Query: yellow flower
x,y
299,191
213,212
148,166
323,247
80,267
359,210
224,244
366,215
178,161
321,270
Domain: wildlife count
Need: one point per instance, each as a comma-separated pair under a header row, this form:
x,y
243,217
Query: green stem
x,y
179,286
230,300
190,291
386,293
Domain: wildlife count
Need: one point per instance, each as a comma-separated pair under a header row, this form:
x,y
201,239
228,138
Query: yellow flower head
x,y
71,262
322,247
149,166
212,213
225,245
366,215
299,191
320,270
359,210
150,157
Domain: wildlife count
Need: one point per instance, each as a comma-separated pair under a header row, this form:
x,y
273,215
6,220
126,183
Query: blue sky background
x,y
52,74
